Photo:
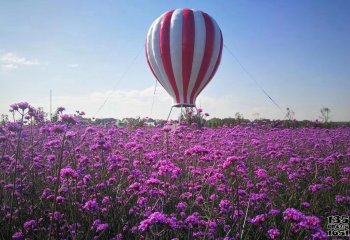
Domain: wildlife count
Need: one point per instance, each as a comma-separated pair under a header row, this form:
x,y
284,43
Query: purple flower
x,y
13,127
106,200
320,235
60,199
274,233
229,161
91,205
330,180
213,224
60,109
153,181
259,219
8,186
57,129
158,217
154,218
315,187
197,150
274,212
225,206
69,119
167,129
192,220
199,200
17,236
142,201
294,160
344,180
182,206
292,215
14,107
261,173
340,199
310,223
258,196
87,178
213,197
29,225
305,204
102,227
23,105
68,172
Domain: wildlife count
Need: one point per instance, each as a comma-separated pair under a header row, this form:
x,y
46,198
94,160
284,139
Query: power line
x,y
119,80
252,78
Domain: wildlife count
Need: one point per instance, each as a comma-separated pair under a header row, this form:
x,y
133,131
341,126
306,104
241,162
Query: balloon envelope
x,y
183,50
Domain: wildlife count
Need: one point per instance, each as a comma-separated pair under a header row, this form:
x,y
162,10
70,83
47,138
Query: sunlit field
x,y
73,180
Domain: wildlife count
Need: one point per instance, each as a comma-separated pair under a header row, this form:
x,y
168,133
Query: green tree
x,y
290,114
4,119
325,114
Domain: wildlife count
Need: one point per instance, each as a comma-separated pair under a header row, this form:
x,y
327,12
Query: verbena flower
x,y
274,233
310,223
18,236
225,206
259,219
292,215
102,227
154,218
68,172
29,225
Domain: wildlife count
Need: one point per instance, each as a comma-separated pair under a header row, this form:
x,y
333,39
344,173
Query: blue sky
x,y
297,50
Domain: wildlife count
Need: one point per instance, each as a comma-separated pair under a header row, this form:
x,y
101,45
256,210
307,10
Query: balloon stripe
x,y
219,58
208,53
214,57
176,49
188,35
216,64
199,47
149,64
155,57
165,52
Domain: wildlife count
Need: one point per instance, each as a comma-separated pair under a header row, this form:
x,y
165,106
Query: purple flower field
x,y
69,180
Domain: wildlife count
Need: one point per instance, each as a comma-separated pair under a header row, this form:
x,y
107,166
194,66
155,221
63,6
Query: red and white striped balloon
x,y
183,50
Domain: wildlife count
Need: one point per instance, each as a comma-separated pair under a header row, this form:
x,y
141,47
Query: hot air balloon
x,y
183,50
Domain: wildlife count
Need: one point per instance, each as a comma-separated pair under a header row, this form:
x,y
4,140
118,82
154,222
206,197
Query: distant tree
x,y
256,116
290,114
325,114
239,117
4,119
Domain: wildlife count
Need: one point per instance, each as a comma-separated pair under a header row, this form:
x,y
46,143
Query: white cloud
x,y
11,61
73,65
9,66
132,103
120,103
